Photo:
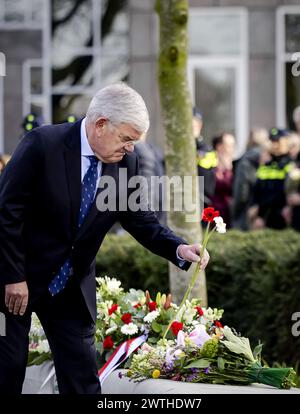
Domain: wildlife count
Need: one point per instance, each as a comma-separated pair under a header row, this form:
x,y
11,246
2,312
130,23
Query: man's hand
x,y
16,297
191,252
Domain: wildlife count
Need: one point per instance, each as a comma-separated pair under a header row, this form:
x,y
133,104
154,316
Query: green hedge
x,y
254,277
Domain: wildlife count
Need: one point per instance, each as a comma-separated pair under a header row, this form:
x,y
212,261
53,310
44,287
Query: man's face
x,y
228,145
110,143
197,126
279,147
297,124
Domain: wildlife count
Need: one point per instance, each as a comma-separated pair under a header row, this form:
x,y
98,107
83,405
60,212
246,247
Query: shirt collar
x,y
85,146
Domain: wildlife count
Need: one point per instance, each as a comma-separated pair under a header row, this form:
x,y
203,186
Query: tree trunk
x,y
180,149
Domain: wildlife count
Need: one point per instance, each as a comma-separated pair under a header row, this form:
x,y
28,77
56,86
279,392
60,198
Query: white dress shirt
x,y
85,151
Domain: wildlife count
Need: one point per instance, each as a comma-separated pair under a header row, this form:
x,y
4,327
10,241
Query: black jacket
x,y
40,193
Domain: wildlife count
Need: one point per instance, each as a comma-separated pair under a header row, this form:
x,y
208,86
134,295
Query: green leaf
x,y
257,350
156,327
152,340
37,358
200,363
221,363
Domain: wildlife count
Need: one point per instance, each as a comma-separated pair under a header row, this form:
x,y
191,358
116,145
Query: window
x,y
287,84
218,70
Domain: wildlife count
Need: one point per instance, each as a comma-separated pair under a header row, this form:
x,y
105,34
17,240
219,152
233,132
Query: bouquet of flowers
x,y
39,350
208,353
125,315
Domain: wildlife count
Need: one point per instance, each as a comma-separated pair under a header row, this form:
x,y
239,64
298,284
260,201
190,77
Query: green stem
x,y
193,279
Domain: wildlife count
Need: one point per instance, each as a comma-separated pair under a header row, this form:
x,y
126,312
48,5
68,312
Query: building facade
x,y
241,67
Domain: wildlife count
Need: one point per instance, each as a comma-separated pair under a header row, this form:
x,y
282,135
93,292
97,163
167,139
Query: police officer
x,y
269,192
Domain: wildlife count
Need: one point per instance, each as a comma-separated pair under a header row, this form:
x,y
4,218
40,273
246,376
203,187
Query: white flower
x,y
189,315
113,286
151,316
43,346
111,330
218,220
221,228
180,338
129,329
220,225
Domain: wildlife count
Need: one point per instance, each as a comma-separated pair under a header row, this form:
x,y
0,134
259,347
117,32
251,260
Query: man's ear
x,y
100,124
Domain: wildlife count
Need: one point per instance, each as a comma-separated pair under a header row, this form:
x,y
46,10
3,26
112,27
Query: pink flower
x,y
199,335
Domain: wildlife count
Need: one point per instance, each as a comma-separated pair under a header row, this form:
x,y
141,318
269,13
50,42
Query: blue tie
x,y
87,196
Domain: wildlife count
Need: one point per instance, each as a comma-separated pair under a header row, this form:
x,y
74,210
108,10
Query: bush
x,y
254,277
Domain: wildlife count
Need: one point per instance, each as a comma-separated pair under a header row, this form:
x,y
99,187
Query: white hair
x,y
296,114
120,104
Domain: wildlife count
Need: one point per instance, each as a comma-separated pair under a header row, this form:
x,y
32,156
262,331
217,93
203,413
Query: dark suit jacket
x,y
40,193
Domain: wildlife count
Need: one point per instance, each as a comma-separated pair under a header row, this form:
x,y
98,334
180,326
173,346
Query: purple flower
x,y
206,371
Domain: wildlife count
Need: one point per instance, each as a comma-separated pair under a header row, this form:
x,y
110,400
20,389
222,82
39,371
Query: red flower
x,y
152,306
138,305
113,309
218,324
209,214
199,310
176,327
108,343
126,318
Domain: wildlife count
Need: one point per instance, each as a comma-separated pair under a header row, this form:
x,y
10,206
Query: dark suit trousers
x,y
70,332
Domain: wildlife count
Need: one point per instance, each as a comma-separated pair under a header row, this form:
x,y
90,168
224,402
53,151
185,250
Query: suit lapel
x,y
107,170
72,155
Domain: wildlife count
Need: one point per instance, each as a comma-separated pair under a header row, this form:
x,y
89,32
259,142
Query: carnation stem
x,y
193,279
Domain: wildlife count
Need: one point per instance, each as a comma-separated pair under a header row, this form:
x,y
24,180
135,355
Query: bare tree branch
x,y
68,16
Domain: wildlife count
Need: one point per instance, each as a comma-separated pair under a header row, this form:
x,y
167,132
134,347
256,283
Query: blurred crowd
x,y
260,189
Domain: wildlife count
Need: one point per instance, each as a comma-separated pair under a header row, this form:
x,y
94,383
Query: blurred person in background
x,y
294,146
2,163
245,177
221,194
269,197
296,119
291,211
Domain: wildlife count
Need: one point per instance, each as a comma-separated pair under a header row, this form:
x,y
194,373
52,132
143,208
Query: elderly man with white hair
x,y
51,229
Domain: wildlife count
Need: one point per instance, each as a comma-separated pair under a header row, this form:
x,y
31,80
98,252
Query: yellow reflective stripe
x,y
272,172
209,160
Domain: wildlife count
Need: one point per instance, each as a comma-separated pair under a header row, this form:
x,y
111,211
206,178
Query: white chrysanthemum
x,y
43,346
129,329
151,316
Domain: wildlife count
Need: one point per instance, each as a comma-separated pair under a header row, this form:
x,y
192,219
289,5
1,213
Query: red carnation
x,y
137,305
126,318
176,327
108,343
113,309
199,310
218,324
152,306
209,214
